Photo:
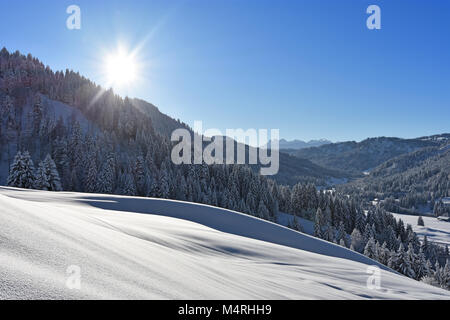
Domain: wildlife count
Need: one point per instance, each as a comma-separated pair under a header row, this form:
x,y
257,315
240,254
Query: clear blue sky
x,y
310,68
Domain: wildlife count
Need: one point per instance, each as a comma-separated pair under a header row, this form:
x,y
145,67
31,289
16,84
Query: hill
x,y
358,157
409,183
137,248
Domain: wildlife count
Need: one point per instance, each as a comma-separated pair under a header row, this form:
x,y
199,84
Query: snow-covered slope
x,y
285,219
436,230
145,248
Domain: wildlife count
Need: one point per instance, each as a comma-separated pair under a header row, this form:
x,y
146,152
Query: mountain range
x,y
358,157
284,144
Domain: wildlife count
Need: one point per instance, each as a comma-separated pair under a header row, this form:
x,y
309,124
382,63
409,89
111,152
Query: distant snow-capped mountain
x,y
300,144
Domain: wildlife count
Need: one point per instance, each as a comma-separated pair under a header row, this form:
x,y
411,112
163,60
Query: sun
x,y
120,68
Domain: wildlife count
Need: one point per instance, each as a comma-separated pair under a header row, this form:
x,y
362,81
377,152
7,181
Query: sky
x,y
311,69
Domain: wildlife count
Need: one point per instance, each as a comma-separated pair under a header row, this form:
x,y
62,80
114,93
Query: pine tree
x,y
428,268
370,249
318,223
328,232
424,245
52,180
446,276
41,182
37,114
357,241
155,191
403,262
360,221
21,174
140,176
6,107
90,184
262,210
410,260
250,201
393,260
438,274
420,221
341,235
383,254
163,185
420,265
106,178
128,186
76,155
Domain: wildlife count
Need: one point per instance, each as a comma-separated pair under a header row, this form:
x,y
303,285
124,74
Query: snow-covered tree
x,y
262,210
47,176
90,183
128,186
106,178
383,254
21,173
410,260
41,182
318,223
37,114
140,176
370,249
420,265
341,235
357,241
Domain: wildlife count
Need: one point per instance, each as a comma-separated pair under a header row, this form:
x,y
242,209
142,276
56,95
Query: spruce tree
x,y
404,263
420,221
383,254
51,172
420,265
128,186
357,241
41,181
90,184
106,178
262,210
341,235
370,249
21,173
318,223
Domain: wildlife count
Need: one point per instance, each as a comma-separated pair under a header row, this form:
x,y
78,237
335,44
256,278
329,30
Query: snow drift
x,y
141,248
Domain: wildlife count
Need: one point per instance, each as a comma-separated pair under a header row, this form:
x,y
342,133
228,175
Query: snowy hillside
x,y
146,248
436,230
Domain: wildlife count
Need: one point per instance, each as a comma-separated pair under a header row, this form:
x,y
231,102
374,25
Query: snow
x,y
285,218
436,230
56,109
142,248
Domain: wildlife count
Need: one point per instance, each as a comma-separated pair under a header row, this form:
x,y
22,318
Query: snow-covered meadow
x,y
436,230
142,248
